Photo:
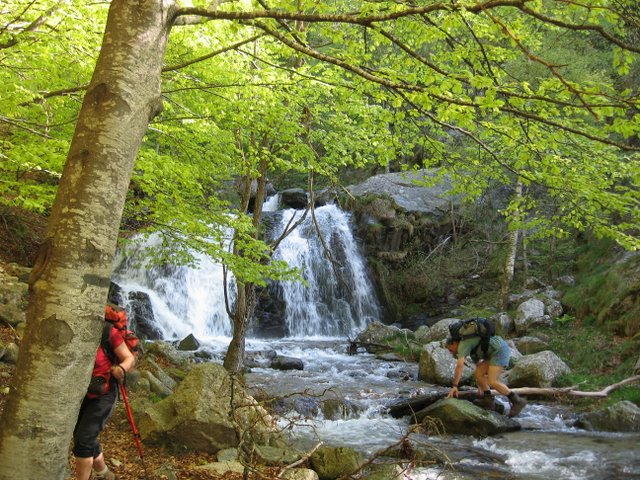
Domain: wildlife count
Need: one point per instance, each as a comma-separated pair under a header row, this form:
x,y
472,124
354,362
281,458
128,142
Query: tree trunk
x,y
512,248
69,281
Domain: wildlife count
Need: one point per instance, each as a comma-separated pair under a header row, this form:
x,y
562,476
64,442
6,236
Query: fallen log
x,y
412,405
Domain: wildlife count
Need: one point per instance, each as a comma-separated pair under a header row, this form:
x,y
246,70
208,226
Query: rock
x,y
384,471
568,280
220,468
437,365
376,332
551,293
189,343
11,354
268,455
169,353
440,330
197,415
553,308
528,313
115,294
529,345
12,314
299,474
156,385
338,409
141,316
331,463
463,417
115,462
623,416
165,472
294,198
389,357
143,385
401,188
133,377
537,370
259,359
228,455
282,362
514,353
421,334
503,322
4,390
161,375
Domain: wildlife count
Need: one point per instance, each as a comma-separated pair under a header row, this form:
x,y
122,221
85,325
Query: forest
x,y
294,202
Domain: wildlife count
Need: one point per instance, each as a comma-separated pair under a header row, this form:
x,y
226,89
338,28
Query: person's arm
x,y
126,361
457,375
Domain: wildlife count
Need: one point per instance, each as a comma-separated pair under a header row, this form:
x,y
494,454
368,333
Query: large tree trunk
x,y
70,279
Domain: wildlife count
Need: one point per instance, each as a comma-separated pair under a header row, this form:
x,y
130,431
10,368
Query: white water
x,y
338,297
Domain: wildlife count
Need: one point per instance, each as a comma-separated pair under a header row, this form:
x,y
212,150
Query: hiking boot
x,y
108,475
517,404
488,402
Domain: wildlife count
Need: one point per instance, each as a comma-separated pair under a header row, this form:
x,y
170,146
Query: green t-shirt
x,y
468,346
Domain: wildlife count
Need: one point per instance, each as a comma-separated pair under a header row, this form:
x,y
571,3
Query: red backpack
x,y
117,317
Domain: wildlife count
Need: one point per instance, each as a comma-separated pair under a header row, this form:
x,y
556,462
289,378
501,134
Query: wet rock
x,y
529,314
270,311
463,417
331,463
623,416
338,409
389,357
305,406
384,471
437,365
503,322
376,333
197,415
400,375
141,316
440,330
115,294
294,198
529,345
259,359
189,343
156,385
282,362
537,370
299,474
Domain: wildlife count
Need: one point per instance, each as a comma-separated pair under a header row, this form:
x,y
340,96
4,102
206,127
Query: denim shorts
x,y
500,357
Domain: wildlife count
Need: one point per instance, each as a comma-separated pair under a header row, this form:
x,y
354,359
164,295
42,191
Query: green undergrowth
x,y
597,359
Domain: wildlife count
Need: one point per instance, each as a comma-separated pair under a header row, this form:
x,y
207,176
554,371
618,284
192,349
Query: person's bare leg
x,y
83,468
517,403
482,380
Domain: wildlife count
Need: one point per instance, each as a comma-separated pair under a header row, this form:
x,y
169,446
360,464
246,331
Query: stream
x,y
317,319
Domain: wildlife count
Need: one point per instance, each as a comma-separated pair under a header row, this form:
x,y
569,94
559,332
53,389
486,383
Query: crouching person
x,y
113,360
490,363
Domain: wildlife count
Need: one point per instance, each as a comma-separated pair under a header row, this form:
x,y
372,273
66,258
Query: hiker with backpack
x,y
476,338
113,360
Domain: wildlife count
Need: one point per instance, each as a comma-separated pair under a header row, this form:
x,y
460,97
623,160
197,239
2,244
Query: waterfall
x,y
334,300
184,299
338,297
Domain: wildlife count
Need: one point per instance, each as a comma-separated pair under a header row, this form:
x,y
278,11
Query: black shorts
x,y
94,413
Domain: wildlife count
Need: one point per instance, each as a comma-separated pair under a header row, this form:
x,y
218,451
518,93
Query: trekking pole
x,y
134,429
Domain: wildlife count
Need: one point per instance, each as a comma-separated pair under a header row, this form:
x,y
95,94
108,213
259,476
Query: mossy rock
x,y
331,463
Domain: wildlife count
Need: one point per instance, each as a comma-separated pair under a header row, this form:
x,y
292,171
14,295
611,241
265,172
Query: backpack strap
x,y
105,343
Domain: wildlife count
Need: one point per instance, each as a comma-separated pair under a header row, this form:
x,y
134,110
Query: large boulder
x,y
334,462
440,330
421,334
282,362
623,416
141,316
503,322
405,192
156,385
378,337
540,369
189,343
462,417
529,345
294,198
437,365
198,415
530,313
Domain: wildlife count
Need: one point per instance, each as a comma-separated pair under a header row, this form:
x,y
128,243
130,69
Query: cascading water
x,y
183,299
337,297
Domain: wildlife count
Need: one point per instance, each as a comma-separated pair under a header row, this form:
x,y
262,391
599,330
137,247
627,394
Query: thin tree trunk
x,y
512,248
70,278
525,258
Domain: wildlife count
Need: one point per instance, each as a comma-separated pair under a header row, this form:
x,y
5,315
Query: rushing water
x,y
336,300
